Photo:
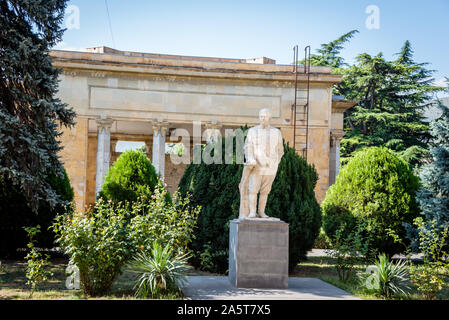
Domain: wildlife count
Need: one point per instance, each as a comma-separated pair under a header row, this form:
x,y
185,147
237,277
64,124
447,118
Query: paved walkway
x,y
219,288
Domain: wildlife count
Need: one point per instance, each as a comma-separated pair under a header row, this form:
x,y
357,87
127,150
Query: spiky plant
x,y
160,271
389,279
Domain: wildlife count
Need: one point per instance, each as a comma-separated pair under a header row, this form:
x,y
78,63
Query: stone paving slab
x,y
219,288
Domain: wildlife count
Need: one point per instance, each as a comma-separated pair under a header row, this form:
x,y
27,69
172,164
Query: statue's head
x,y
264,117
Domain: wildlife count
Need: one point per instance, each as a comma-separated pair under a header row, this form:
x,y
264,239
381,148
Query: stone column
x,y
212,131
334,158
103,150
159,132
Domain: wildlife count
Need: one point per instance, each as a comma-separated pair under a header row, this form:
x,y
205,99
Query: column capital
x,y
214,124
336,135
160,126
104,121
212,130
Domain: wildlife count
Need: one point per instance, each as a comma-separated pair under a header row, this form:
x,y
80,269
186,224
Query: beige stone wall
x,y
74,157
173,174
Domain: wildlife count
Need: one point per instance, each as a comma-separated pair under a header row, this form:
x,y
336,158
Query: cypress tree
x,y
29,111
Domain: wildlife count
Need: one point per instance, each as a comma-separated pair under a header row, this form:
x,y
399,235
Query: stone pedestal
x,y
258,253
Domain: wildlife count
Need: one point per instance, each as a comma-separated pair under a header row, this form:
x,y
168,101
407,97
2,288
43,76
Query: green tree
x,y
29,111
215,188
329,53
376,190
393,96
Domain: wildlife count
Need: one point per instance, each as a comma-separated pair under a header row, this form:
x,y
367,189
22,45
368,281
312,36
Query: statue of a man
x,y
263,152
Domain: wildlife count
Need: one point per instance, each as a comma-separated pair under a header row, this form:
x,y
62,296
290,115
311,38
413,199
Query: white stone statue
x,y
263,152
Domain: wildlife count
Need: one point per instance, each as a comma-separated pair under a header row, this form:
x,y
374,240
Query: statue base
x,y
258,253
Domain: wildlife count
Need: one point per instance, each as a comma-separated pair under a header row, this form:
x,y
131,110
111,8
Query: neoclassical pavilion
x,y
143,97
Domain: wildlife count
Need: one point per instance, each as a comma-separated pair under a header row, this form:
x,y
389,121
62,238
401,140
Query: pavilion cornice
x,y
73,61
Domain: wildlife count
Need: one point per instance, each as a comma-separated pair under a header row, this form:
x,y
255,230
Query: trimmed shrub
x,y
215,188
376,188
16,214
130,177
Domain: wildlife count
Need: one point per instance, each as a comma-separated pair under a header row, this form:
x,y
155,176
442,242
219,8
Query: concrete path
x,y
219,288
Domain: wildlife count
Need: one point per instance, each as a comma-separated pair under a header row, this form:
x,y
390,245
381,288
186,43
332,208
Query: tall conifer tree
x,y
393,96
329,53
29,111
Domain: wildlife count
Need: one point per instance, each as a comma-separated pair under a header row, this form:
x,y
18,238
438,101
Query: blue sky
x,y
248,29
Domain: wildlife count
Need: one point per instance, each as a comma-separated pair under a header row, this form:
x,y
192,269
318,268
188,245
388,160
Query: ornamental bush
x,y
215,188
102,241
16,214
375,188
130,177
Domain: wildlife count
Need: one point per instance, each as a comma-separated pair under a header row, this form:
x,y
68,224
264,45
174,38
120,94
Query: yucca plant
x,y
160,271
387,278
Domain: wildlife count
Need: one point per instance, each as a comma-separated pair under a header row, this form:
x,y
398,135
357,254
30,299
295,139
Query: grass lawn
x,y
12,281
13,284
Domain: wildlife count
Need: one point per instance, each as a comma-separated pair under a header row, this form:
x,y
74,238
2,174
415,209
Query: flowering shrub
x,y
36,262
429,278
169,221
101,242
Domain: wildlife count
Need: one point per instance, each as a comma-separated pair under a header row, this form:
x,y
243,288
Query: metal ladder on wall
x,y
300,107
